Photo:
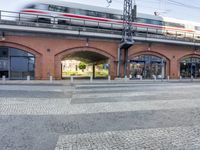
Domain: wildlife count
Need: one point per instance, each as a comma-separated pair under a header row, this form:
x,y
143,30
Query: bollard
x,y
154,77
91,79
28,78
51,79
125,78
140,77
192,78
180,78
72,79
162,78
108,78
168,78
130,76
3,78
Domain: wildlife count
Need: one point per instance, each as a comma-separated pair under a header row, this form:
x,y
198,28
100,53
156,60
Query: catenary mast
x,y
129,14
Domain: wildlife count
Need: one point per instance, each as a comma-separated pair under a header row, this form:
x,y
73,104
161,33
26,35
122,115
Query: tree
x,y
82,66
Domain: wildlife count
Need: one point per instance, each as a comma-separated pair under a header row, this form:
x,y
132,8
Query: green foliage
x,y
101,73
82,65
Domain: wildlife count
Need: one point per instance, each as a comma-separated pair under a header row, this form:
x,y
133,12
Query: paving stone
x,y
103,116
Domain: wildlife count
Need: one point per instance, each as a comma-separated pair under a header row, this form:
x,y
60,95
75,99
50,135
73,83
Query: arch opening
x,y
190,67
148,66
16,64
84,64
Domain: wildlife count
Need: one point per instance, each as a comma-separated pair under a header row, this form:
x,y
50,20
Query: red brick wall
x,y
49,51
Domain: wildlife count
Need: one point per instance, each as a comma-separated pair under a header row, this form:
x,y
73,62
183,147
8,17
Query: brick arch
x,y
38,56
189,55
148,53
66,52
154,54
61,55
20,46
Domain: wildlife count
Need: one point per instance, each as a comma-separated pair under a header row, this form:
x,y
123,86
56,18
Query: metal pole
x,y
93,70
125,61
118,61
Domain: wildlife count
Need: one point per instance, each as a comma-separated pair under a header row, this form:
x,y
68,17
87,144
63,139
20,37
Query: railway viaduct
x,y
50,46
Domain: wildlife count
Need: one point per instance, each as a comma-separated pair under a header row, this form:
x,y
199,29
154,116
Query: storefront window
x,y
190,67
148,67
16,64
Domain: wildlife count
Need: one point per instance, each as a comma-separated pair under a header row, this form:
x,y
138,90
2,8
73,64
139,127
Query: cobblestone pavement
x,y
106,116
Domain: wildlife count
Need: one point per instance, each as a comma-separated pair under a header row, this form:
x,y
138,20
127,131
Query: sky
x,y
180,9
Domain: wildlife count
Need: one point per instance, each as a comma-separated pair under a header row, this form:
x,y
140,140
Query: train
x,y
65,13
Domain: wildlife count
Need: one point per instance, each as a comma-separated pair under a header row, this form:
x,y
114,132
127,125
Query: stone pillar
x,y
112,69
48,64
174,68
38,67
58,68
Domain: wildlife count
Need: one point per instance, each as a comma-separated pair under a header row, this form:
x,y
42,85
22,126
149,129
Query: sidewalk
x,y
94,81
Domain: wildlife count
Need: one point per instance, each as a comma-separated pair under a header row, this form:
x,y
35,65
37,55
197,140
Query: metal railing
x,y
64,23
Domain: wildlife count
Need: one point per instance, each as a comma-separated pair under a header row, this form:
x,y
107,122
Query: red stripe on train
x,y
84,17
34,11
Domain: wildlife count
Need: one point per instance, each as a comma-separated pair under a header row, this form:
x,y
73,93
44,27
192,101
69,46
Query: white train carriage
x,y
178,28
60,12
72,14
86,15
197,30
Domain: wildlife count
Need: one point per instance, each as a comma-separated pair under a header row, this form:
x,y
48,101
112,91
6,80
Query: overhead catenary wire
x,y
168,6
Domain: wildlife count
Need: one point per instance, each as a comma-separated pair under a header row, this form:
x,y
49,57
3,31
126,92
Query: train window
x,y
149,21
31,6
103,15
72,10
156,22
66,10
116,17
42,6
59,9
52,8
197,28
172,24
91,13
98,14
141,20
81,12
113,16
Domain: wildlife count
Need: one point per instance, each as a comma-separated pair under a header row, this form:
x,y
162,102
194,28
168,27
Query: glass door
x,y
4,66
